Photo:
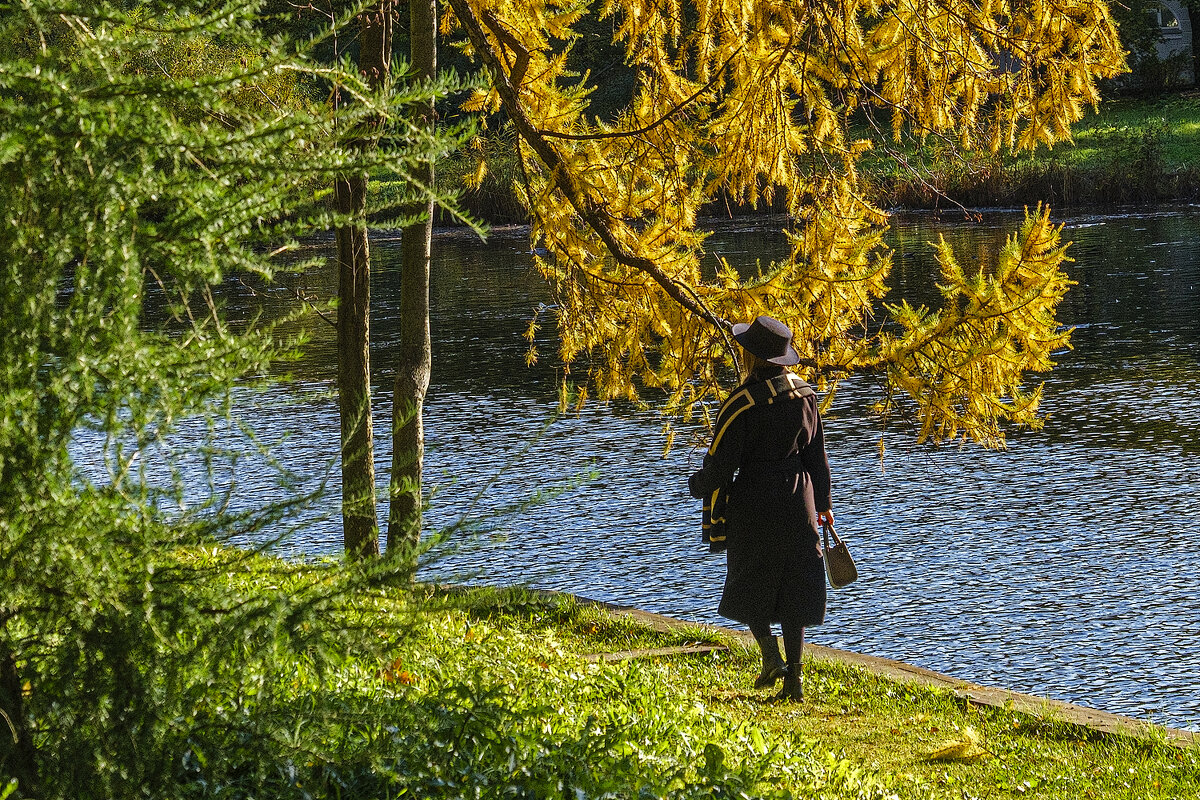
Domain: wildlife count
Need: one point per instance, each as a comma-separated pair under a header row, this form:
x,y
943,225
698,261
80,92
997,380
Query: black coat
x,y
772,459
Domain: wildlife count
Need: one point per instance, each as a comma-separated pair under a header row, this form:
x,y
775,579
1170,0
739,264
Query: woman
x,y
769,436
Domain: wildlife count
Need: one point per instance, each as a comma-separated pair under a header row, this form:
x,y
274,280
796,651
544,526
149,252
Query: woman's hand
x,y
825,518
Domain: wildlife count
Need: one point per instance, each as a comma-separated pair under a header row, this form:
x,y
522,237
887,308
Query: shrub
x,y
128,188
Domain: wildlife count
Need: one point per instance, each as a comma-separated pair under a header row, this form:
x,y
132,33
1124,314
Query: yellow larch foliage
x,y
750,101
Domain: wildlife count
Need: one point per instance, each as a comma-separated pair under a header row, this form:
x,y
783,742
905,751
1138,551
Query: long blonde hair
x,y
751,362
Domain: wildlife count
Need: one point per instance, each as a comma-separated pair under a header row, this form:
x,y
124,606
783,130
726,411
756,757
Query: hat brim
x,y
789,357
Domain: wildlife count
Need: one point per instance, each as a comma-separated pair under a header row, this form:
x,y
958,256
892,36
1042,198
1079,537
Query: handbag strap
x,y
826,532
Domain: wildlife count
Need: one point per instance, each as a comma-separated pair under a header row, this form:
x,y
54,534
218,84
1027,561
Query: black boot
x,y
793,687
773,667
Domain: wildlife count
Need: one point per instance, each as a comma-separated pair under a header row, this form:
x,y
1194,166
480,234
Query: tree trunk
x,y
17,755
415,359
359,532
359,527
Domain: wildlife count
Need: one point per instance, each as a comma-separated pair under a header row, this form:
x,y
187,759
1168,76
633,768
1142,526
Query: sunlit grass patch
x,y
1130,151
586,626
486,692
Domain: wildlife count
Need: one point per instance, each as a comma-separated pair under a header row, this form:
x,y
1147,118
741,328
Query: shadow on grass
x,y
468,738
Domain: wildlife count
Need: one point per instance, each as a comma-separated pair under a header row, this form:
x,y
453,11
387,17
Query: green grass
x,y
1131,151
484,693
872,727
1175,120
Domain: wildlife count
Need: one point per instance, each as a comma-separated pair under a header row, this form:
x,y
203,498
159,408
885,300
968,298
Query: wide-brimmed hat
x,y
769,339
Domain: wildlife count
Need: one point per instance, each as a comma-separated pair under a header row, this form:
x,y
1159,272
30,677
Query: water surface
x,y
1065,566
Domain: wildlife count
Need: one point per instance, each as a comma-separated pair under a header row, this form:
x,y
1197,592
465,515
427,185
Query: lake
x,y
1067,566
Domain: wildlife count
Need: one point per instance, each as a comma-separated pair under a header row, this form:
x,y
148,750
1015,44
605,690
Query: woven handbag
x,y
839,565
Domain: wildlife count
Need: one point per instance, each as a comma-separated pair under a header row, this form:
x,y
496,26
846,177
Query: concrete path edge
x,y
1040,707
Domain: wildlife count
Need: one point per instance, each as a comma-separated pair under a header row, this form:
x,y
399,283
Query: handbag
x,y
839,565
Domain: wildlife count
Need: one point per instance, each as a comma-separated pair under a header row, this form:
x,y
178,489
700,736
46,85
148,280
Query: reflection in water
x,y
1065,567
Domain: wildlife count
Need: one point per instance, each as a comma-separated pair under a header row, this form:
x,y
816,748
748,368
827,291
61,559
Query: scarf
x,y
787,386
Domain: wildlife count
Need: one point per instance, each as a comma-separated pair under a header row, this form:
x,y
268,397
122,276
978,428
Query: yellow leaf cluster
x,y
963,365
750,102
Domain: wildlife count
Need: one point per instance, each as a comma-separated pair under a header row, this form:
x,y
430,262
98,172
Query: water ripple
x,y
1066,566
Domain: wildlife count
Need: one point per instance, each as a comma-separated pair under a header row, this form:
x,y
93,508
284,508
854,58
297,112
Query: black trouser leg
x,y
793,643
793,646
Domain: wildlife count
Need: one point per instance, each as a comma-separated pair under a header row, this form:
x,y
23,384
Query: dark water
x,y
1067,566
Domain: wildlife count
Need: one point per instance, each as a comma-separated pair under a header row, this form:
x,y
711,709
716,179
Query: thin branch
x,y
313,308
517,72
599,220
588,137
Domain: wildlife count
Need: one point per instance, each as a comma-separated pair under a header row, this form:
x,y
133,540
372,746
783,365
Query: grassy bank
x,y
486,694
1132,151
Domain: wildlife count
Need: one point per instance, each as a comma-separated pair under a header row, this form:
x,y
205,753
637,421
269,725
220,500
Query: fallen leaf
x,y
965,749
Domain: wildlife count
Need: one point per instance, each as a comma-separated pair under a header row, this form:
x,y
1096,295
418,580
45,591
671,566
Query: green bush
x,y
456,706
130,188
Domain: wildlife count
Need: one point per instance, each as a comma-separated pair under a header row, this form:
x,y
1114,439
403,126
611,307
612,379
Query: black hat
x,y
769,339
